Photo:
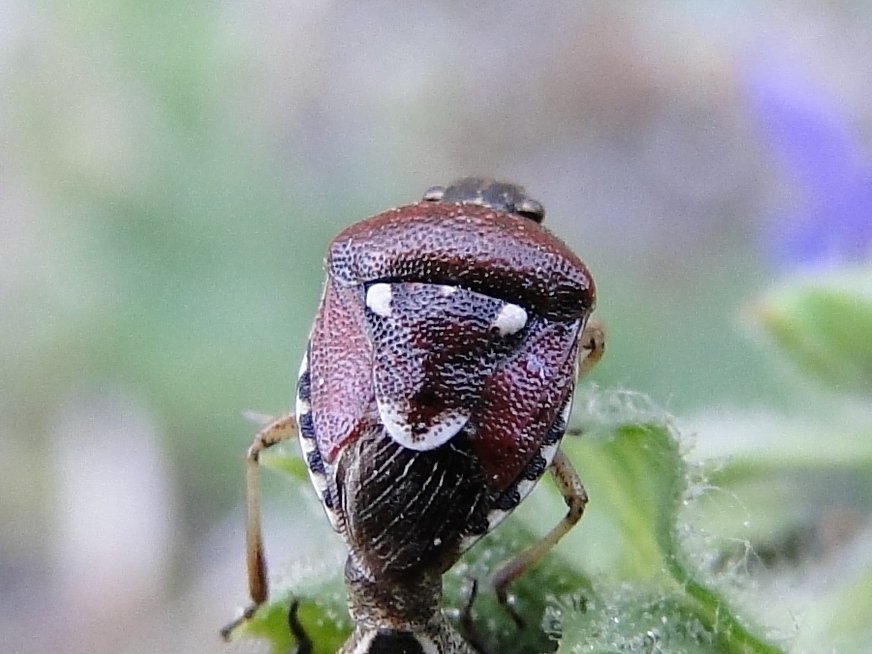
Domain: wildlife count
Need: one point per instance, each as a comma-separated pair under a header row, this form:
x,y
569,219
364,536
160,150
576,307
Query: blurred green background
x,y
171,174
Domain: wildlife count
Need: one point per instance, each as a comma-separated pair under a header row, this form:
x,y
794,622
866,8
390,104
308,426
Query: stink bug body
x,y
435,390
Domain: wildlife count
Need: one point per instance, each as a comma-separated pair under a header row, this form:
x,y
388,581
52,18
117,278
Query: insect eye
x,y
434,194
531,209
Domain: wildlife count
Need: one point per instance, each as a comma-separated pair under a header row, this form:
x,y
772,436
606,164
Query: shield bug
x,y
433,395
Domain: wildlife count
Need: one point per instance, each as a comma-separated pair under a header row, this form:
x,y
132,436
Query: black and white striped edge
x,y
318,470
509,499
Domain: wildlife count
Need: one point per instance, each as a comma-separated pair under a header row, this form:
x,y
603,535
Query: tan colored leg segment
x,y
591,347
276,431
575,496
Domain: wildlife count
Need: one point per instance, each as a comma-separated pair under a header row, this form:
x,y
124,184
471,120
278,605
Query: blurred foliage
x,y
823,325
802,485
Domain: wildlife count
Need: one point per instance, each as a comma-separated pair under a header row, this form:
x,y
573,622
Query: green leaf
x,y
281,459
851,628
654,599
824,326
321,613
534,595
790,520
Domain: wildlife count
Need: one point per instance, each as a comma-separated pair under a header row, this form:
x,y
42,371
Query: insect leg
x,y
304,643
275,431
466,624
575,496
591,346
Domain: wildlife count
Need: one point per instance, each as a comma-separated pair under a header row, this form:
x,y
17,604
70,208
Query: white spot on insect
x,y
302,405
510,320
378,299
445,290
495,517
440,431
319,482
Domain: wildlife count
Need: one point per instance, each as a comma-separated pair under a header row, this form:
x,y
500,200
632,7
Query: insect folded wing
x,y
338,382
522,400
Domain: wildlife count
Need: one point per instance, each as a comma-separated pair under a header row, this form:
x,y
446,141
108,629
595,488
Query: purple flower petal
x,y
810,135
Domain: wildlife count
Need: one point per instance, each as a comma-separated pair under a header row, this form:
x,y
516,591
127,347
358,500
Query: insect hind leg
x,y
273,432
575,496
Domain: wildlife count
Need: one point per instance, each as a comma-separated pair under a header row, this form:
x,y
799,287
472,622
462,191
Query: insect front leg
x,y
575,496
276,431
591,347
